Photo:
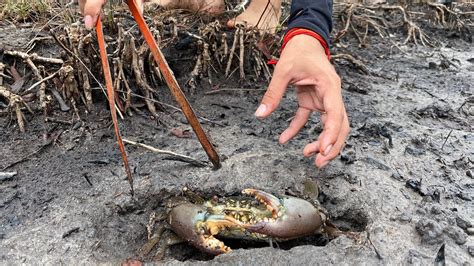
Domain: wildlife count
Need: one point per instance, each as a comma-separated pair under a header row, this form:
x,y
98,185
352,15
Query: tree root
x,y
359,19
16,102
243,54
349,58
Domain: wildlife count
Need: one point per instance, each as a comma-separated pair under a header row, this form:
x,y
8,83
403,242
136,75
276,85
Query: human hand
x,y
303,63
91,10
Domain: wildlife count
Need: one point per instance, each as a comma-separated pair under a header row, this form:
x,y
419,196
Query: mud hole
x,y
404,180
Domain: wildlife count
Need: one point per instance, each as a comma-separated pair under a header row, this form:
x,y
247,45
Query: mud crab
x,y
256,216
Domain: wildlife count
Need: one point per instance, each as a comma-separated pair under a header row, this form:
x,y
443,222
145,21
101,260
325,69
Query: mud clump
x,y
430,231
433,232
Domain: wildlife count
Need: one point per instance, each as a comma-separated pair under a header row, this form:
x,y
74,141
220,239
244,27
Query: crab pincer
x,y
291,217
269,217
194,224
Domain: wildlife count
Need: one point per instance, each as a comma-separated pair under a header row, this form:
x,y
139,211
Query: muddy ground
x,y
404,181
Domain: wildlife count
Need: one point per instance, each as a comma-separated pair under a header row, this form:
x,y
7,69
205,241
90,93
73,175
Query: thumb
x,y
276,90
91,10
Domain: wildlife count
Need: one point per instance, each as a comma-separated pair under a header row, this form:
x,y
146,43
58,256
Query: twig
x,y
15,101
2,68
139,73
174,108
242,49
41,81
231,54
82,71
352,60
35,57
343,32
231,90
447,137
59,121
85,66
7,175
174,156
375,249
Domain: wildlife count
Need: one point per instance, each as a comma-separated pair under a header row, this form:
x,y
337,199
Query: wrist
x,y
300,31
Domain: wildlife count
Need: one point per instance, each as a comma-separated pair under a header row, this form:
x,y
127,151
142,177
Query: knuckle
x,y
270,96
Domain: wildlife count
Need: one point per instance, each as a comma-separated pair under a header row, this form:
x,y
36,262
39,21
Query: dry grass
x,y
23,10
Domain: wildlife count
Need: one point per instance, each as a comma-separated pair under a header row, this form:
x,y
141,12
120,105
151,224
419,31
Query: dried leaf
x,y
181,133
16,76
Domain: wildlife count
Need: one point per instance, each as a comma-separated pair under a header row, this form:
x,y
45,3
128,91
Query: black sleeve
x,y
315,15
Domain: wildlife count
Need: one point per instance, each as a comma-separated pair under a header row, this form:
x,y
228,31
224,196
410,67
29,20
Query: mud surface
x,y
404,180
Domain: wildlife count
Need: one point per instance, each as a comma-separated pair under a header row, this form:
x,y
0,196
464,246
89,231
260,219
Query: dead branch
x,y
232,51
42,90
32,87
7,175
138,70
35,57
414,31
15,102
349,58
242,51
69,87
358,16
63,46
82,72
2,69
349,11
207,63
174,156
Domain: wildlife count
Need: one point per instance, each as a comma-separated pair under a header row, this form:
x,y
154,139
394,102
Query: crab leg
x,y
272,203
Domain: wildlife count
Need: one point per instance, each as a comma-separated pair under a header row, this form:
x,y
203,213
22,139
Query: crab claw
x,y
194,224
291,217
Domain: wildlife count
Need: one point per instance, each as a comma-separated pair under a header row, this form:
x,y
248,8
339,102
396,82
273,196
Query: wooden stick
x,y
174,86
111,98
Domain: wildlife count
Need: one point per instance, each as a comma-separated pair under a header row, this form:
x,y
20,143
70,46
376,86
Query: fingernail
x,y
311,154
324,164
88,22
260,110
327,150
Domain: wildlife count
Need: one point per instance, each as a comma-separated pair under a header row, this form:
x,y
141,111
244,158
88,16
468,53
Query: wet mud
x,y
404,181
